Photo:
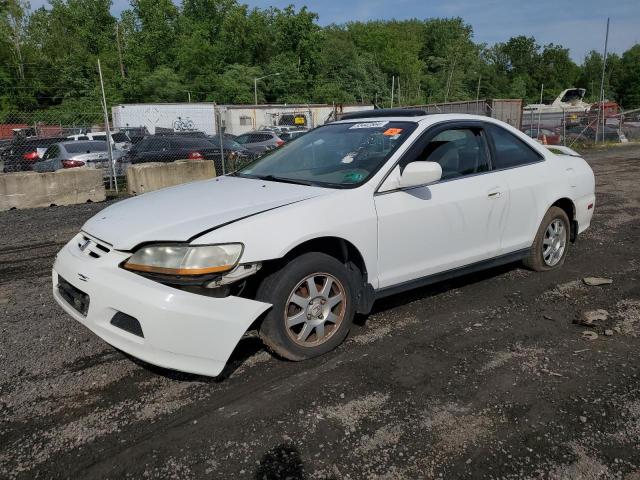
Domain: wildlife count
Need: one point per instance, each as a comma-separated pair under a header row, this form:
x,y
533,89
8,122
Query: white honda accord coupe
x,y
297,242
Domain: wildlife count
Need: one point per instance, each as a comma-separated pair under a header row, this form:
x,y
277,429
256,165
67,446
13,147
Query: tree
x,y
12,28
213,49
629,85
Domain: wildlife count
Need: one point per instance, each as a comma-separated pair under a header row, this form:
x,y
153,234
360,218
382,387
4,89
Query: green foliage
x,y
212,50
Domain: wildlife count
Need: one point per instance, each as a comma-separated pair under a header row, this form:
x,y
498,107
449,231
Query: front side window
x,y
510,151
119,137
459,151
339,155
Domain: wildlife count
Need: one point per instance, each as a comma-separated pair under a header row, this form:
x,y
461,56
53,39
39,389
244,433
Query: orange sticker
x,y
390,132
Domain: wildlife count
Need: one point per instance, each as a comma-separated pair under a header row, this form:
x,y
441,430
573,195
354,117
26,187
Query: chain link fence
x,y
574,128
229,136
47,141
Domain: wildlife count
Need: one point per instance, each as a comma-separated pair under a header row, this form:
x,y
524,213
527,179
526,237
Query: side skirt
x,y
455,272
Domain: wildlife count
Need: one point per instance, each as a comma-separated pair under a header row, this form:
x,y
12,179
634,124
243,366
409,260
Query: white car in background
x,y
300,240
119,140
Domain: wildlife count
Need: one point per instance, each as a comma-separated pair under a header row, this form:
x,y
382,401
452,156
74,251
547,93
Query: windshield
x,y
339,155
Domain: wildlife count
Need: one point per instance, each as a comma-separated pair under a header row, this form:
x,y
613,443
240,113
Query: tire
x,y
307,319
548,251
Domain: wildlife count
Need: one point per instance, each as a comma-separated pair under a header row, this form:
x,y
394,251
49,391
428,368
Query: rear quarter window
x,y
510,151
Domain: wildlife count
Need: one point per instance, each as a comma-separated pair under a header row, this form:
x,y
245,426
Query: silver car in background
x,y
77,154
259,141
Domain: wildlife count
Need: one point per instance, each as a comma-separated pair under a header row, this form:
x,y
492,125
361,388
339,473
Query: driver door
x,y
457,221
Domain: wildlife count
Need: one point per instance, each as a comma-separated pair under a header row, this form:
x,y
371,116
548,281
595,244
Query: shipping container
x,y
177,117
508,110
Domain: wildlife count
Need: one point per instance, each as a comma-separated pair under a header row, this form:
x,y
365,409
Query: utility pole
x,y
393,87
453,66
540,109
119,49
112,180
478,96
604,67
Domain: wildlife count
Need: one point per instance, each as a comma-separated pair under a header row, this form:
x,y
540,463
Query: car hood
x,y
185,211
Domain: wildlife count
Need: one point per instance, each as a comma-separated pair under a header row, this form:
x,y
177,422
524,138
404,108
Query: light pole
x,y
255,85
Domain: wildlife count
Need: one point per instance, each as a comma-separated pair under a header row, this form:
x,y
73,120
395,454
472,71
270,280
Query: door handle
x,y
494,194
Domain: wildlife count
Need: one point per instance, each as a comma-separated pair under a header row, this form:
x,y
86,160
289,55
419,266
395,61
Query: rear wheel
x,y
312,307
550,246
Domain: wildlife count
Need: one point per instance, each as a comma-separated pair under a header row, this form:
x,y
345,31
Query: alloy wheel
x,y
315,309
554,243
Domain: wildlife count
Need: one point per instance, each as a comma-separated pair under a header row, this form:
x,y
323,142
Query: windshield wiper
x,y
273,178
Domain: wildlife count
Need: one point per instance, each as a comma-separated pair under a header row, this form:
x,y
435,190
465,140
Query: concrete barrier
x,y
146,177
64,187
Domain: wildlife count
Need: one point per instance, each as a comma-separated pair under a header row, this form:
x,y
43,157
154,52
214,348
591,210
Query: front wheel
x,y
550,246
312,307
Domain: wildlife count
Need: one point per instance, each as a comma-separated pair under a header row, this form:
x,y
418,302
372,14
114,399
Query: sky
x,y
577,25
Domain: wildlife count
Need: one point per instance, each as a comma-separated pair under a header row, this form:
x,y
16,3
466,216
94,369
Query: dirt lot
x,y
484,377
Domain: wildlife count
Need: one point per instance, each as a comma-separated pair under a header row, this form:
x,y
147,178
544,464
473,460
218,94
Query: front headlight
x,y
180,259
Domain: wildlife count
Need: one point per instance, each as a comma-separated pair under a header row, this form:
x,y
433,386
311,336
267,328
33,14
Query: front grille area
x,y
73,296
92,247
127,323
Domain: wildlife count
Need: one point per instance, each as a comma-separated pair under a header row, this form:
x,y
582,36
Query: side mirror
x,y
420,173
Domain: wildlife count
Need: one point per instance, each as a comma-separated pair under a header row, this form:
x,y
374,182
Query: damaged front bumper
x,y
161,325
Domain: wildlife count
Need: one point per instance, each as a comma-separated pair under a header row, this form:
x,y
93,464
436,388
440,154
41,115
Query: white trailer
x,y
235,119
239,119
157,117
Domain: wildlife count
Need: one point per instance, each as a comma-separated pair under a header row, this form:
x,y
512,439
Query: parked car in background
x,y
237,155
169,148
5,143
292,135
544,134
260,141
77,154
135,134
22,153
120,140
582,133
302,239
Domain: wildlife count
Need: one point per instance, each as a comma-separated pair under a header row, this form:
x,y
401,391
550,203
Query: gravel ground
x,y
487,376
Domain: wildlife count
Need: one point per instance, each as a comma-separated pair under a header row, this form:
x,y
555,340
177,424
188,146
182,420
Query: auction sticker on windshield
x,y
368,125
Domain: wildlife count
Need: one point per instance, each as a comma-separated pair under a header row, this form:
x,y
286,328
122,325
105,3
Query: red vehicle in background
x,y
544,135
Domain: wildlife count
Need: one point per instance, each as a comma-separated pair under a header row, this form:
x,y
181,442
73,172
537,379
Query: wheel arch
x,y
344,251
567,205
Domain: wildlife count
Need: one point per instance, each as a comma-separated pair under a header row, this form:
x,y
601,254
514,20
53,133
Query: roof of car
x,y
76,142
414,117
386,112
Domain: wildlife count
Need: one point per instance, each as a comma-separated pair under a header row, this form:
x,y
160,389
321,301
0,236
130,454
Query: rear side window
x,y
51,152
510,151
